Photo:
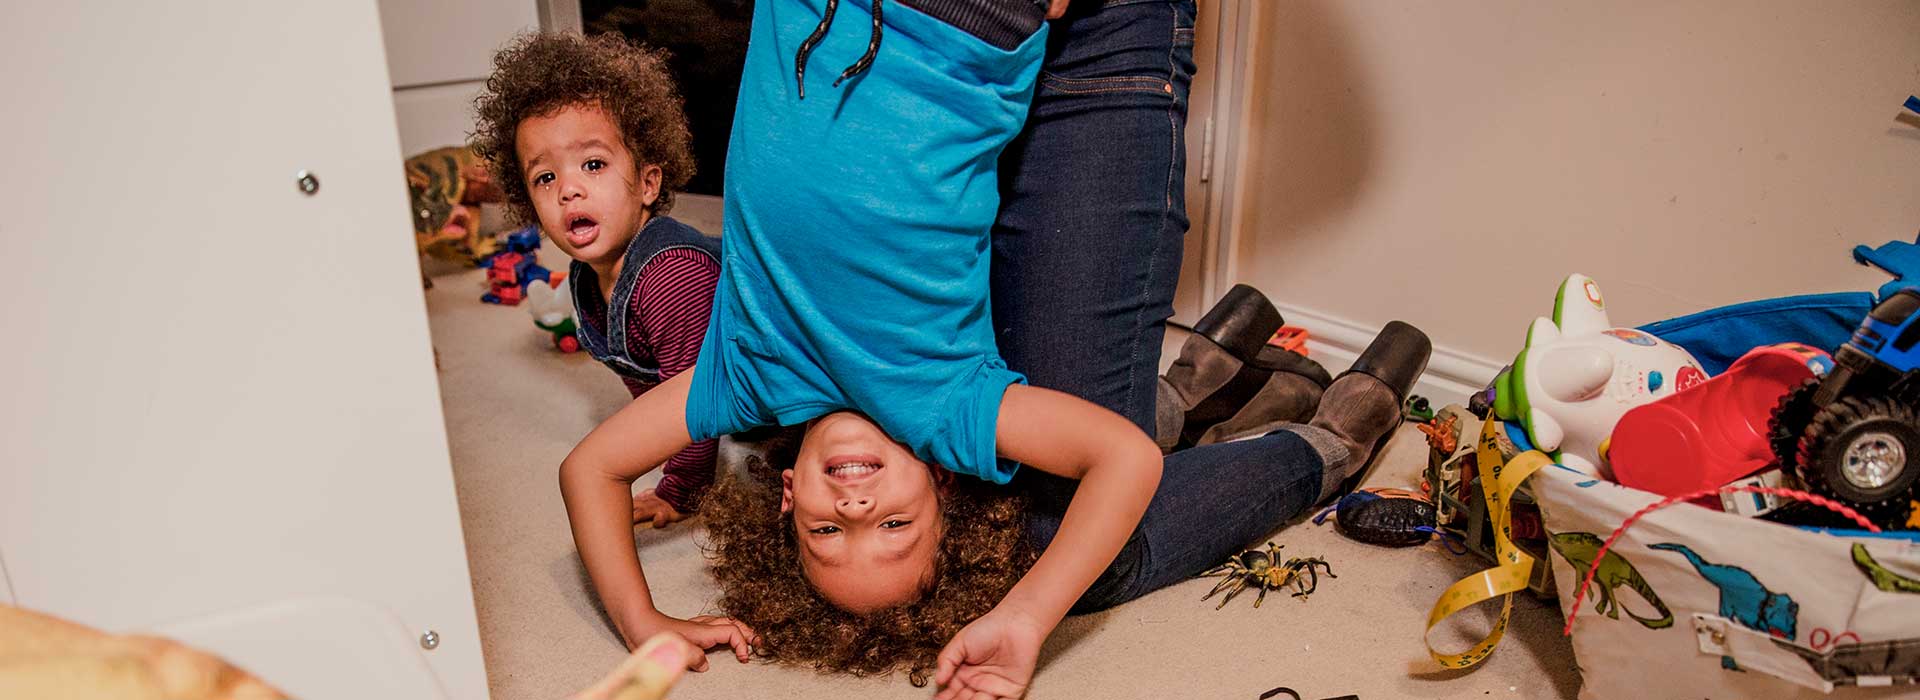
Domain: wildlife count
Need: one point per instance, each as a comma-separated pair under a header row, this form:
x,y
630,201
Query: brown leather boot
x,y
1363,406
1228,381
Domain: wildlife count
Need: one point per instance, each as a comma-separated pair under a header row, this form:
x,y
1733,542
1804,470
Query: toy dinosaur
x,y
1615,571
1743,598
445,187
1578,375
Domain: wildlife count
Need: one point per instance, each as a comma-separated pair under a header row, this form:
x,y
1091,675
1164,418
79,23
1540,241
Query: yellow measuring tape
x,y
1498,478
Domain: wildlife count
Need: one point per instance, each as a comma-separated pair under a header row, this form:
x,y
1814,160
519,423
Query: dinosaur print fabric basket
x,y
1695,603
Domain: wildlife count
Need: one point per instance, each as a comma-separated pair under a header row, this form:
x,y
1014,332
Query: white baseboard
x,y
1335,342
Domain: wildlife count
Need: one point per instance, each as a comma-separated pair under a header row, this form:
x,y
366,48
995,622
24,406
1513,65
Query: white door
x,y
1215,108
220,411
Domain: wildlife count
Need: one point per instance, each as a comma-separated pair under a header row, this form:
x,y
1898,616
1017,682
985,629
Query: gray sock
x,y
1334,456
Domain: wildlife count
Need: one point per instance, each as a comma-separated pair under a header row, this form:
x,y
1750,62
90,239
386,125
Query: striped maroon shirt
x,y
667,319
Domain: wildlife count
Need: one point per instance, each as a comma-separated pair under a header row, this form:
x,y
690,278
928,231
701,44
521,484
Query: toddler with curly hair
x,y
588,139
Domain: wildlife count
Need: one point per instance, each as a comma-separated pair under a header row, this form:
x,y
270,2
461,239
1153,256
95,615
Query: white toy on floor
x,y
1579,374
552,310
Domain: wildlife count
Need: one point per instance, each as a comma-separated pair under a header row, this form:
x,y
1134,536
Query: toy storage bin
x,y
1732,607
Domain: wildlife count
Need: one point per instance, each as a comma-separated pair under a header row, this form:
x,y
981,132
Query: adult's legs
x,y
1093,211
1086,256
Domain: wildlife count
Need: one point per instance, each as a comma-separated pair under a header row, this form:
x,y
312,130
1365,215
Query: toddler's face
x,y
865,513
589,193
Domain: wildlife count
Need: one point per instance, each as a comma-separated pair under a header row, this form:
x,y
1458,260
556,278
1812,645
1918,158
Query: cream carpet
x,y
515,406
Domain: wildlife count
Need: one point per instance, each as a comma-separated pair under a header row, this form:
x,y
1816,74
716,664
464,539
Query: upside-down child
x,y
855,284
588,139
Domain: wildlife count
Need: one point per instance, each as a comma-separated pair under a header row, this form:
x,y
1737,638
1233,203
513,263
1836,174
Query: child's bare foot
x,y
649,507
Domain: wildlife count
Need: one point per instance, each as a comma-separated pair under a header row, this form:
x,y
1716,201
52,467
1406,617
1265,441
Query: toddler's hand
x,y
649,507
704,631
992,657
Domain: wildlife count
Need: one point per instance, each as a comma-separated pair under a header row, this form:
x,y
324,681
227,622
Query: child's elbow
x,y
1142,457
575,472
569,473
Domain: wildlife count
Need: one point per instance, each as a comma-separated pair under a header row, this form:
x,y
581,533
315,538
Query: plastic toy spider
x,y
1264,569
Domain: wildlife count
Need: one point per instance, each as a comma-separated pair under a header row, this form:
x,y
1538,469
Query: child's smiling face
x,y
865,513
590,194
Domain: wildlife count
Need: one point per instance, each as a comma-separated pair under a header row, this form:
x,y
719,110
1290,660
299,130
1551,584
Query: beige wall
x,y
1448,163
438,55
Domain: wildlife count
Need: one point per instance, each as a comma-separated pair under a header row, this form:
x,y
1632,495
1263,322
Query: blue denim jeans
x,y
1086,255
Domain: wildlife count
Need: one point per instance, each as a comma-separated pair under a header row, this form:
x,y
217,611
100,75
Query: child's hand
x,y
992,657
648,506
704,631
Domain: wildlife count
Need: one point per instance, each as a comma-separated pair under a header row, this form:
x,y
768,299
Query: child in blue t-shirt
x,y
854,297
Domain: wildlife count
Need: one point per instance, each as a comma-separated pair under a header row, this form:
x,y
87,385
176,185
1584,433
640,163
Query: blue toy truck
x,y
1854,435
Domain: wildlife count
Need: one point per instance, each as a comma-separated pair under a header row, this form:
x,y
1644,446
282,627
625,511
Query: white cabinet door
x,y
219,399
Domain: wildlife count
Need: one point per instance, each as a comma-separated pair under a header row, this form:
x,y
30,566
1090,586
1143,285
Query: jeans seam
x,y
1166,211
1096,91
1107,80
1094,86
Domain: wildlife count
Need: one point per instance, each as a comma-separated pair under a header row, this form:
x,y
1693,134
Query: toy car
x,y
1854,435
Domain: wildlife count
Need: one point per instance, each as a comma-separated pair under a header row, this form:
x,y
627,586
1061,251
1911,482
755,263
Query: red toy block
x,y
1715,432
1290,338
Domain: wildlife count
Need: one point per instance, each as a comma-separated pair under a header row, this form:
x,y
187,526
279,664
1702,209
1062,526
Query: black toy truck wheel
x,y
1865,453
1789,422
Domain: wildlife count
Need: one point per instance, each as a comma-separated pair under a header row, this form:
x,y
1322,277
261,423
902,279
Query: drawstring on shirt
x,y
819,33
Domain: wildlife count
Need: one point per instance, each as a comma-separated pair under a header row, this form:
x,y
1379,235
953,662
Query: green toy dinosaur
x,y
1883,578
1615,571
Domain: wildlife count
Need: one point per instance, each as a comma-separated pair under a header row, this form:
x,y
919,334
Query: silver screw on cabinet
x,y
430,640
308,183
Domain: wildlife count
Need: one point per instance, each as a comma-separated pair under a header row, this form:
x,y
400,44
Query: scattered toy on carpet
x,y
1383,516
1418,408
514,266
1265,570
552,311
446,187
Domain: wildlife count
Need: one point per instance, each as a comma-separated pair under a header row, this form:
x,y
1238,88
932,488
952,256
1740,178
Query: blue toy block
x,y
1913,103
525,240
1899,258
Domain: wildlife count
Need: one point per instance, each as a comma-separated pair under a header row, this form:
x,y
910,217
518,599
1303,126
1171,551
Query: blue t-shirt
x,y
856,230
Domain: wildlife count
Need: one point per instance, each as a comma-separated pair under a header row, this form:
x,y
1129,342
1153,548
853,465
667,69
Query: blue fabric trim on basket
x,y
1717,337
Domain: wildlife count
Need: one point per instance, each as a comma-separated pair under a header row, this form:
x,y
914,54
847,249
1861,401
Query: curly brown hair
x,y
541,73
754,553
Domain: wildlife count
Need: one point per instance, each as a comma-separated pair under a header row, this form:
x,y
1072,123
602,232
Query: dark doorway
x,y
708,40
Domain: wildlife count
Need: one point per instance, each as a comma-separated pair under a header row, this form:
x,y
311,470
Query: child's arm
x,y
1118,467
596,480
671,306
